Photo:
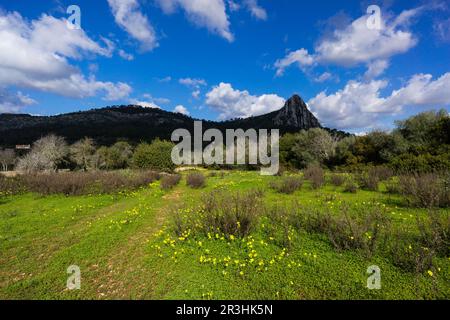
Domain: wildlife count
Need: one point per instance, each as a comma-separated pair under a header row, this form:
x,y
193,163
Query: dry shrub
x,y
344,232
196,180
10,186
425,190
367,181
79,183
337,180
316,175
350,186
169,181
287,185
434,232
222,213
381,172
409,256
392,186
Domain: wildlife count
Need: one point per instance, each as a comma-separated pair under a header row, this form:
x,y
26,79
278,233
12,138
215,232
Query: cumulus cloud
x,y
231,103
181,109
129,17
300,57
360,104
210,14
13,103
31,56
356,44
375,69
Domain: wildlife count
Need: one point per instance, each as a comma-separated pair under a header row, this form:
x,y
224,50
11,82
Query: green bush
x,y
154,156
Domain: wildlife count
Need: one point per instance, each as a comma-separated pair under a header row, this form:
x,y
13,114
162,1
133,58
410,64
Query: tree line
x,y
420,143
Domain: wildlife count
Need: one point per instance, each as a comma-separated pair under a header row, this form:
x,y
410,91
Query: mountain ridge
x,y
136,123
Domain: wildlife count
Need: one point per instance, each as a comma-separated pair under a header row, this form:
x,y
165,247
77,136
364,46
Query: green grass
x,y
126,249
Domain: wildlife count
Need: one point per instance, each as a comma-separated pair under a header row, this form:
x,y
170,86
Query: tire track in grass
x,y
125,274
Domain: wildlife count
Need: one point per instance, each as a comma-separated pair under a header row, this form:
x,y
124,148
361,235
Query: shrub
x,y
337,180
79,183
316,175
196,180
425,190
10,186
434,233
169,181
154,156
367,181
350,186
381,172
287,185
392,186
227,214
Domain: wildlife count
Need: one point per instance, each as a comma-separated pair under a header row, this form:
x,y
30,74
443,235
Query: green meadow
x,y
155,243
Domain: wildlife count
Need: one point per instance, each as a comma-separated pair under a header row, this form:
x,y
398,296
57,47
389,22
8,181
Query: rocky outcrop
x,y
295,114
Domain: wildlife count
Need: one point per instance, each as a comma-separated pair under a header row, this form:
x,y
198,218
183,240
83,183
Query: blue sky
x,y
218,59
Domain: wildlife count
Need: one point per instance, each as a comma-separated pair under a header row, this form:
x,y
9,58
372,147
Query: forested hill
x,y
136,124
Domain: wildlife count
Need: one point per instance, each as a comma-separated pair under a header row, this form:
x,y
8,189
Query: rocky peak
x,y
296,114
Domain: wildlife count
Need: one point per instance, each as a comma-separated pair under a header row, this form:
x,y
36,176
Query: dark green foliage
x,y
154,156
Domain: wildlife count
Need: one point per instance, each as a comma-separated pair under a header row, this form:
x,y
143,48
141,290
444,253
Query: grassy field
x,y
127,248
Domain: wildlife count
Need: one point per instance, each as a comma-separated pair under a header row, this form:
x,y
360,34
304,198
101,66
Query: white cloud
x,y
442,29
126,56
421,90
128,16
32,56
190,82
357,44
360,104
204,13
181,109
256,10
300,57
349,107
196,94
324,77
148,96
13,103
145,104
375,69
233,6
231,103
164,80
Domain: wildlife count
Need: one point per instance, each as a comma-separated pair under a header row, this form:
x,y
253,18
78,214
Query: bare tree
x,y
82,153
46,155
7,158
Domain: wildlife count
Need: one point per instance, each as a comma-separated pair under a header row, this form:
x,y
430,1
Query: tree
x,y
7,158
119,155
46,154
155,156
314,146
82,153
